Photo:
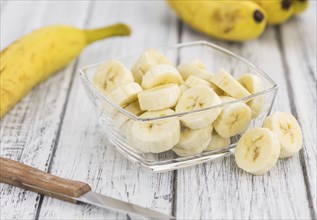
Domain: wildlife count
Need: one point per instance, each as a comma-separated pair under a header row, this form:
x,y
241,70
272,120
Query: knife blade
x,y
23,176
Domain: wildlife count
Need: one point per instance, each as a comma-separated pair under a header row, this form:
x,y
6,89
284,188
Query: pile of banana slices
x,y
154,88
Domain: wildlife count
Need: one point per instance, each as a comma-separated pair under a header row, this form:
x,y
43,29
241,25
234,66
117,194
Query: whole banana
x,y
278,11
36,56
225,19
300,6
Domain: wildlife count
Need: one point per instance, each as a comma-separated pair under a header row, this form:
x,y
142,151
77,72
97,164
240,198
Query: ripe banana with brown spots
x,y
226,19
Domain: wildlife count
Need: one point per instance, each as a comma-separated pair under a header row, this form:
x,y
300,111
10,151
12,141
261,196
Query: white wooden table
x,y
54,128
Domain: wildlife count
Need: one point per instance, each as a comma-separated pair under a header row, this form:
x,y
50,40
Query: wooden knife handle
x,y
23,176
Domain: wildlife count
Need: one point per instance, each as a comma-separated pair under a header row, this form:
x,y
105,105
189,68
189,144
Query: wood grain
x,y
298,46
220,190
28,133
55,129
29,178
89,155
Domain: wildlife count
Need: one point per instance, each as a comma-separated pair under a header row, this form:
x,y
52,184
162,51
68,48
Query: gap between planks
x,y
180,26
50,159
290,92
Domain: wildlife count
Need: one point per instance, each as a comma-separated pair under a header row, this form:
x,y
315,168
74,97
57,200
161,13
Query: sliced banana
x,y
193,81
146,61
111,75
218,142
190,138
134,108
288,131
159,98
120,119
125,94
257,151
194,68
233,119
196,98
254,85
183,88
161,75
189,152
228,84
154,136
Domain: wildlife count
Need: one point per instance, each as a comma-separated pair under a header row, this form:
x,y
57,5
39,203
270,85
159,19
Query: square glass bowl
x,y
114,118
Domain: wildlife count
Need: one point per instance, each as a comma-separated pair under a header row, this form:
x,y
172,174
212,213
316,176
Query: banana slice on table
x,y
161,75
196,98
233,119
194,68
111,75
159,98
154,136
125,94
189,152
288,131
193,81
257,151
254,85
146,61
192,138
228,84
218,142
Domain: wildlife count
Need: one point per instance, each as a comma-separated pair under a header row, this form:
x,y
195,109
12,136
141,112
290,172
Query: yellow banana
x,y
300,6
36,56
278,11
225,19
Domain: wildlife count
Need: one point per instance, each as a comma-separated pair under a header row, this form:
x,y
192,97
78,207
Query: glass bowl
x,y
112,117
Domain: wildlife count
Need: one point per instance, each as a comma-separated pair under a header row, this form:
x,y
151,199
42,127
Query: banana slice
x,y
199,97
160,97
257,151
134,108
111,75
194,68
154,136
228,84
189,152
288,131
234,118
254,85
193,81
125,94
183,88
190,138
161,75
120,119
218,142
146,61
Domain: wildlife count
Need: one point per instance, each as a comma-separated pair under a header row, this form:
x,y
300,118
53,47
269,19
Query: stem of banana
x,y
109,31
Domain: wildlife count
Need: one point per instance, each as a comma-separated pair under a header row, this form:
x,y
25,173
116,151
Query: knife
x,y
23,176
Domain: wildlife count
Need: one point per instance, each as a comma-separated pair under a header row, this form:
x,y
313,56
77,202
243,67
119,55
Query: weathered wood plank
x,y
220,190
28,132
83,153
298,44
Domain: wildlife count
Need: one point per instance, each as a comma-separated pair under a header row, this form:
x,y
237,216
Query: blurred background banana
x,y
236,20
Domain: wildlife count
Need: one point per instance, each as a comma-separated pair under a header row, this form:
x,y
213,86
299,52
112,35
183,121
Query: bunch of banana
x,y
180,111
235,20
36,56
279,11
